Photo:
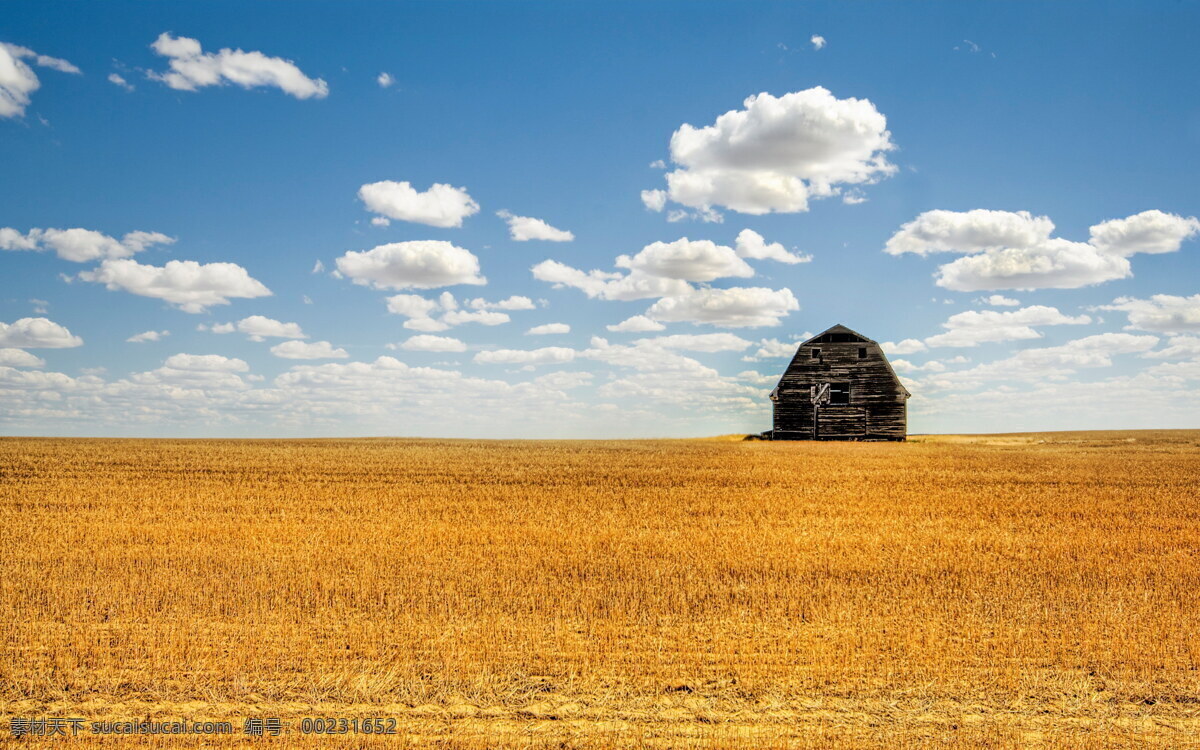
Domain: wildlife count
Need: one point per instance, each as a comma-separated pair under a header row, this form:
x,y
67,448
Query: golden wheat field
x,y
971,591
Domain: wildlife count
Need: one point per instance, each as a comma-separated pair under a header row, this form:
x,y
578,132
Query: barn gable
x,y
859,395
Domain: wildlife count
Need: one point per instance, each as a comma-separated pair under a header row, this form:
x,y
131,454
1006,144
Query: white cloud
x,y
426,343
1178,347
417,264
385,80
258,328
189,285
975,327
191,68
425,324
548,328
563,381
655,200
81,245
117,80
37,333
777,153
1164,313
515,302
1148,232
607,285
318,267
999,300
144,336
411,305
380,221
907,346
904,367
524,228
205,363
686,260
636,324
750,244
701,342
739,307
1053,264
485,317
818,41
17,79
1048,363
548,355
975,231
1007,250
10,357
440,206
308,350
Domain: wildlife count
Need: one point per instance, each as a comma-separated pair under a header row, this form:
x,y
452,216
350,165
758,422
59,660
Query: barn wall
x,y
877,408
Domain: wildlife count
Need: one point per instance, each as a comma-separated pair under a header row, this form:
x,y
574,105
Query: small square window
x,y
862,352
816,353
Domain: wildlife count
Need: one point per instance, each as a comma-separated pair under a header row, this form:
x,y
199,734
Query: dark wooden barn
x,y
840,386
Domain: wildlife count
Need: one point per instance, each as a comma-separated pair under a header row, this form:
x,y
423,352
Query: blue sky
x,y
1004,193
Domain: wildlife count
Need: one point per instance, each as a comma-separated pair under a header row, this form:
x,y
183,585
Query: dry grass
x,y
996,591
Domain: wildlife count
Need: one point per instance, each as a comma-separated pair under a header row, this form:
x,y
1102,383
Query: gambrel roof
x,y
859,338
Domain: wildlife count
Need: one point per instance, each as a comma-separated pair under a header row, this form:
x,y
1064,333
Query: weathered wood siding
x,y
877,406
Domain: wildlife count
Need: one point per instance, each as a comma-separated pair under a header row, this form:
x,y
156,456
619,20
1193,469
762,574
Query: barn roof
x,y
839,328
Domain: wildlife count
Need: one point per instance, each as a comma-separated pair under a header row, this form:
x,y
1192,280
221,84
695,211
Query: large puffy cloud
x,y
37,333
191,286
1148,232
975,327
687,260
440,206
974,231
10,357
739,307
1014,250
607,285
777,153
547,355
308,350
525,228
750,244
1053,264
1165,313
417,264
192,68
81,245
259,327
17,79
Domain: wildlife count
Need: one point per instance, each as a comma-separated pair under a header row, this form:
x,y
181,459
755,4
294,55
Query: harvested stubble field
x,y
1005,591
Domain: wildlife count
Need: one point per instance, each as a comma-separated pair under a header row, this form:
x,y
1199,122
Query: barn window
x,y
816,353
862,352
839,393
